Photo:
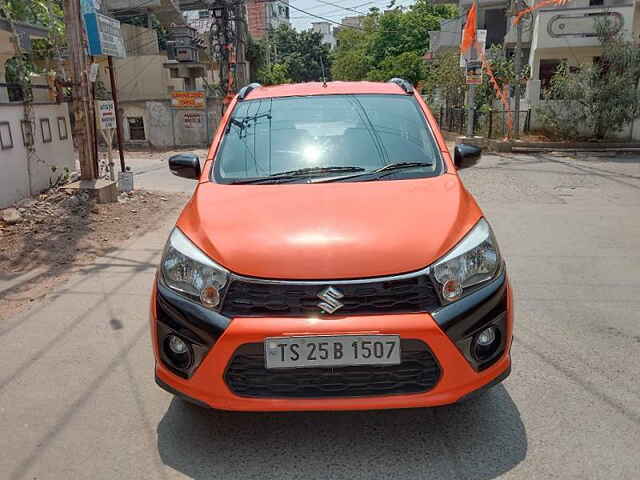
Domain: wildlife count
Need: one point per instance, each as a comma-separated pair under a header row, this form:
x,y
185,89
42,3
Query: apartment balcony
x,y
575,27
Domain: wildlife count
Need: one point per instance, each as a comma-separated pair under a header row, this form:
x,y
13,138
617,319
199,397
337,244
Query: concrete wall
x,y
139,40
167,127
160,124
22,174
143,77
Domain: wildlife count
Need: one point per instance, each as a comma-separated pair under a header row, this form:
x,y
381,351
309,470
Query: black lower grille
x,y
407,295
247,376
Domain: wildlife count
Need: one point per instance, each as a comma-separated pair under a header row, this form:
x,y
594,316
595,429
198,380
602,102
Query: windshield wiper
x,y
308,170
402,165
296,174
377,173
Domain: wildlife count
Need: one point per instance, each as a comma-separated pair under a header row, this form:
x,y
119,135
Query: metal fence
x,y
490,124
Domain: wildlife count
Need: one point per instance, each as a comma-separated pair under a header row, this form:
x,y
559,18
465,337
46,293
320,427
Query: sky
x,y
319,7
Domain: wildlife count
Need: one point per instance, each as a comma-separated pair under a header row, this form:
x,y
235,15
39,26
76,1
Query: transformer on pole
x,y
227,45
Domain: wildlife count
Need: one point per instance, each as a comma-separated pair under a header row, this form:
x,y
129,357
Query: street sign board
x,y
104,35
474,73
188,99
137,4
106,114
89,6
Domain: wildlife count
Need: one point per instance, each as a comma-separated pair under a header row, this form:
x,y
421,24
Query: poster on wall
x,y
188,100
192,120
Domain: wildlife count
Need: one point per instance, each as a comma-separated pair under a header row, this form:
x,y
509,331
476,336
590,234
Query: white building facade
x,y
36,147
326,30
551,35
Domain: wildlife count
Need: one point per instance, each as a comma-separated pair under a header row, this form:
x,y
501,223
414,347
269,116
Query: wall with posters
x,y
155,123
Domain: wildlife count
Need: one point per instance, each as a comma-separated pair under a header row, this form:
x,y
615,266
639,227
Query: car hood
x,y
328,231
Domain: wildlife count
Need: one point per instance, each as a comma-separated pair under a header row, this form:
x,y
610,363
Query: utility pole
x,y
471,51
81,99
517,64
471,100
227,42
114,95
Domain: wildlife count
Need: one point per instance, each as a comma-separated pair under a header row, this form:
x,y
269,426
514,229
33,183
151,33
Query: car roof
x,y
329,88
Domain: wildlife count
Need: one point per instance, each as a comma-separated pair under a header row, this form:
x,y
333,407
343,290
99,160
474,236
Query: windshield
x,y
325,134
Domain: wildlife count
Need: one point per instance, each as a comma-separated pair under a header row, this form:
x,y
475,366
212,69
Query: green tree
x,y
602,97
407,65
503,71
276,74
351,60
445,80
301,57
255,54
48,14
389,44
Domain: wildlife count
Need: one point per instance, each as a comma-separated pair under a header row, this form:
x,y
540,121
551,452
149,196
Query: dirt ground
x,y
58,233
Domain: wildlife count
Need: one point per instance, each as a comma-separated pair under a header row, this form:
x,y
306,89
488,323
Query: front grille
x,y
254,298
247,376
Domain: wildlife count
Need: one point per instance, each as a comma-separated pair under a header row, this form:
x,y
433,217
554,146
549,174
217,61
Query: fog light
x,y
451,290
210,297
177,345
178,352
487,337
486,343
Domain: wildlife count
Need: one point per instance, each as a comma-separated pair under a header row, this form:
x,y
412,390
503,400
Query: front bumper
x,y
444,332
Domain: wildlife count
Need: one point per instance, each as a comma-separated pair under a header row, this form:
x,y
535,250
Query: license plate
x,y
331,351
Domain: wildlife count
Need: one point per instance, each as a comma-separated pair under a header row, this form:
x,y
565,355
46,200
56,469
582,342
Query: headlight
x,y
475,260
186,269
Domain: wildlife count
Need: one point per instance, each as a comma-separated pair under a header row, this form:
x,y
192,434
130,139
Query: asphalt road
x,y
78,401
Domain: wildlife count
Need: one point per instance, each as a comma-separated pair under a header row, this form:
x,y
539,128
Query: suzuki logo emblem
x,y
331,298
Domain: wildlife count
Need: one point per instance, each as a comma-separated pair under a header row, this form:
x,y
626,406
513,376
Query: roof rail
x,y
246,90
403,84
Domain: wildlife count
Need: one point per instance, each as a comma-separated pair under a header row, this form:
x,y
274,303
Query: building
x,y
326,30
147,80
492,16
36,145
349,22
355,22
201,20
264,16
551,35
447,39
568,34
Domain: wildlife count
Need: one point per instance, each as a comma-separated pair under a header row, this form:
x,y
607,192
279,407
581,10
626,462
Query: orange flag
x,y
470,29
544,3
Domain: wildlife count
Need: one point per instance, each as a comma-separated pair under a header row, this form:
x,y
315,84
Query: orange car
x,y
330,259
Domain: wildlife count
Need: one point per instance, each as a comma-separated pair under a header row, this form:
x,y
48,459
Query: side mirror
x,y
466,155
186,165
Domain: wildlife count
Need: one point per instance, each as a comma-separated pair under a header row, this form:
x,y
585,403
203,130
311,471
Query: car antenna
x,y
324,77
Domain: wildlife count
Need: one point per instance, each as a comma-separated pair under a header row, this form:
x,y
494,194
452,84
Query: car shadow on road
x,y
479,439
